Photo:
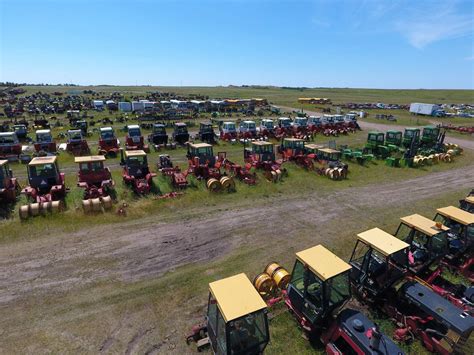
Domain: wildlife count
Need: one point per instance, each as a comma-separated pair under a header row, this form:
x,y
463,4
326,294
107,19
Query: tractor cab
x,y
43,173
206,132
203,152
83,126
44,141
92,170
229,127
301,122
295,145
107,134
9,144
428,241
375,139
314,121
74,135
21,131
236,317
461,228
393,138
136,163
312,148
248,127
430,135
411,135
378,261
284,122
328,154
180,133
338,119
263,150
319,286
5,175
134,134
267,125
467,204
158,134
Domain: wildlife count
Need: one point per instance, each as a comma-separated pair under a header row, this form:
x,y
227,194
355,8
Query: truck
x,y
426,109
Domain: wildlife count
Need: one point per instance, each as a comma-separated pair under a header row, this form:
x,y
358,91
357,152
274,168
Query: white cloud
x,y
430,24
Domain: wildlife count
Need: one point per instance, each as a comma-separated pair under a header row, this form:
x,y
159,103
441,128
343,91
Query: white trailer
x,y
424,109
125,106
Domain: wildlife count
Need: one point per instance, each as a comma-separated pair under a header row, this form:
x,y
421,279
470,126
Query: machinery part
x,y
97,204
227,183
279,274
213,185
35,209
264,284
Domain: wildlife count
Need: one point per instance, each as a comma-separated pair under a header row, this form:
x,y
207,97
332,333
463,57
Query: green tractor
x,y
375,145
393,139
411,135
430,136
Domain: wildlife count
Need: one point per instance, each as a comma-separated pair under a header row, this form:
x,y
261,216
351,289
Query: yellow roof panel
x,y
294,140
134,153
457,214
236,297
329,150
381,241
262,143
470,199
3,162
322,262
199,145
423,224
89,159
314,146
50,159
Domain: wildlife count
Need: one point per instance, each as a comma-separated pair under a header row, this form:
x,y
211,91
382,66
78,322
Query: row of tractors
x,y
399,276
411,148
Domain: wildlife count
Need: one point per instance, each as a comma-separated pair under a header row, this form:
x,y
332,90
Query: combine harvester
x,y
97,182
9,187
108,142
380,277
261,155
236,320
204,165
76,143
44,143
136,172
46,189
134,139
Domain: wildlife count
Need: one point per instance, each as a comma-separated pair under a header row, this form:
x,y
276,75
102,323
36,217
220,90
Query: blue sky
x,y
373,43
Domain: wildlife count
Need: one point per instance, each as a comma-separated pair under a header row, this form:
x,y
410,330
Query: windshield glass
x,y
136,161
247,333
109,134
470,233
439,243
181,129
10,139
134,132
158,129
229,126
45,170
19,128
43,137
75,135
91,167
285,123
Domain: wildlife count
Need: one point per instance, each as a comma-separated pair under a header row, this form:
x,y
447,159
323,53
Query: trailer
x,y
426,109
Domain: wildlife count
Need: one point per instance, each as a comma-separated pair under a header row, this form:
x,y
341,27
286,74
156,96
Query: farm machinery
x,y
204,165
134,139
76,143
284,127
467,204
206,133
379,277
180,133
330,162
46,189
177,177
293,149
228,131
261,155
317,294
247,129
9,187
236,320
21,131
393,140
376,145
97,182
108,142
10,147
136,172
267,128
411,136
44,143
460,238
158,136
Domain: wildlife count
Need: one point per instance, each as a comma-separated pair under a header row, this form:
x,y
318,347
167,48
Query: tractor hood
x,y
439,308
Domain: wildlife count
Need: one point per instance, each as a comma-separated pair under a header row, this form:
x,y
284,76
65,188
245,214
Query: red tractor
x,y
467,204
134,139
380,277
76,143
46,189
44,143
261,155
293,149
108,142
204,165
318,289
228,131
10,146
97,182
174,173
9,187
136,172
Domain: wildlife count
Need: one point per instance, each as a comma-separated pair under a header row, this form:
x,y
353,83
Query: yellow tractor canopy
x,y
469,199
199,145
382,241
89,159
457,214
423,224
261,143
322,262
236,297
134,153
3,162
328,150
43,160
